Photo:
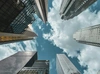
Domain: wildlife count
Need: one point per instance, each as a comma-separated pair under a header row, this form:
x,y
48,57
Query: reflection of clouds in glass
x,y
15,63
9,49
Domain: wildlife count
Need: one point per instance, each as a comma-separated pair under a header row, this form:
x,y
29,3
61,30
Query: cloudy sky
x,y
57,37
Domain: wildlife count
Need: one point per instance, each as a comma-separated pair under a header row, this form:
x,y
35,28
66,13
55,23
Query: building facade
x,y
9,10
14,63
24,63
65,66
42,9
39,67
24,18
11,37
89,35
15,16
71,8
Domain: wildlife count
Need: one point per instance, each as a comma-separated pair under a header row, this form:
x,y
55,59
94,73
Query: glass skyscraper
x,y
24,18
42,9
71,8
39,67
14,63
65,66
9,10
16,15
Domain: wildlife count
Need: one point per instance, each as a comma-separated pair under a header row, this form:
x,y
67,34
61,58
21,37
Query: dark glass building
x,y
9,10
71,8
89,35
24,63
24,18
14,63
16,15
39,67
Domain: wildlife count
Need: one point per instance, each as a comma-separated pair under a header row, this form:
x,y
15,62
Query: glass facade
x,y
14,63
15,15
72,8
39,67
9,10
42,9
24,18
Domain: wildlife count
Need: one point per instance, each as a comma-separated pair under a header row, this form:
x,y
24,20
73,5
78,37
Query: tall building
x,y
9,10
24,63
89,35
71,8
42,9
15,16
65,66
24,18
39,67
14,63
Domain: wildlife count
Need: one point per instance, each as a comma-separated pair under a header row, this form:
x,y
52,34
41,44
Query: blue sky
x,y
56,37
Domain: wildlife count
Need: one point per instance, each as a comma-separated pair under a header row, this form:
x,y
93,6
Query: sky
x,y
56,37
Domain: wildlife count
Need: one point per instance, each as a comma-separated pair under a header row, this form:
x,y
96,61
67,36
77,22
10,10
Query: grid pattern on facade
x,y
42,9
43,6
24,18
33,71
74,7
9,9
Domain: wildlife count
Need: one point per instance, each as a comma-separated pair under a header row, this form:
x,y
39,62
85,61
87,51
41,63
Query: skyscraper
x,y
89,35
14,63
9,10
24,63
42,9
24,18
15,16
71,8
11,37
39,67
64,65
98,72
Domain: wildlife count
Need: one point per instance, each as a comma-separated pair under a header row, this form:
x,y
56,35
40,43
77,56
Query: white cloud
x,y
62,35
90,57
30,45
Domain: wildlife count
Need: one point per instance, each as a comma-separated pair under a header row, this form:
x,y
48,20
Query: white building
x,y
65,66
